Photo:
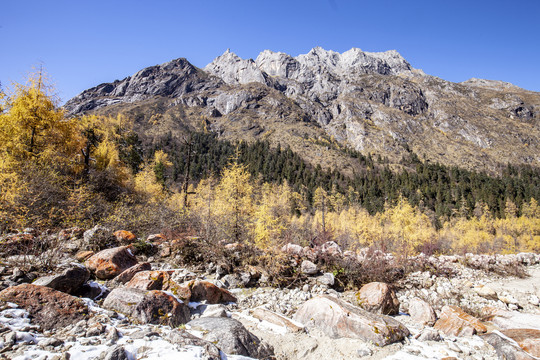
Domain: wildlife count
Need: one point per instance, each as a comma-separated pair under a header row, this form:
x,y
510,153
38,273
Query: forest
x,y
58,172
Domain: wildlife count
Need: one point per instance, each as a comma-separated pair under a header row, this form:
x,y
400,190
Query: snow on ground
x,y
91,348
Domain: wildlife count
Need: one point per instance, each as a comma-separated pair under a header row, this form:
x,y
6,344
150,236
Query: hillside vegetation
x,y
58,171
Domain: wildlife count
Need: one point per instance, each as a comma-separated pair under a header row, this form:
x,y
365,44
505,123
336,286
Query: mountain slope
x,y
323,102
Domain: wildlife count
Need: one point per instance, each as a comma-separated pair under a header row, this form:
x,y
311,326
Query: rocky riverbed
x,y
119,303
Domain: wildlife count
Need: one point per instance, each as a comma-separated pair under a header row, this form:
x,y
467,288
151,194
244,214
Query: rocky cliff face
x,y
372,102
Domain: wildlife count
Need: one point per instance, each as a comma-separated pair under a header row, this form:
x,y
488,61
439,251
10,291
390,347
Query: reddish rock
x,y
338,319
82,256
109,263
456,322
49,308
128,274
152,280
379,298
528,339
421,312
204,290
148,307
124,236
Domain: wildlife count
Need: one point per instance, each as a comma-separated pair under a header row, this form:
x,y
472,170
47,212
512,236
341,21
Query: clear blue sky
x,y
85,43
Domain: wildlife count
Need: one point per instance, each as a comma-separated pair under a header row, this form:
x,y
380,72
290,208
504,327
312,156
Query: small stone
x,y
308,268
326,279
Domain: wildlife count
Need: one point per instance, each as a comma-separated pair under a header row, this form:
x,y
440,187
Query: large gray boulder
x,y
337,319
148,307
231,337
69,281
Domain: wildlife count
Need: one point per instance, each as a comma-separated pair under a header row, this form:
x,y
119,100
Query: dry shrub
x,y
27,251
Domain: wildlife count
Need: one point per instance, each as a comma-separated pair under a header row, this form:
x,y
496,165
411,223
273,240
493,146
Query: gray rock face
x,y
235,70
319,74
231,337
172,79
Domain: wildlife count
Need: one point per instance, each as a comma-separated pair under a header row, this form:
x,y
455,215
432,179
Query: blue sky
x,y
85,43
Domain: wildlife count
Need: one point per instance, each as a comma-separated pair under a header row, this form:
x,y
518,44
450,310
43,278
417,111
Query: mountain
x,y
323,103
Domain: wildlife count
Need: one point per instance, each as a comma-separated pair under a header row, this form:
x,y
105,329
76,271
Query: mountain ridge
x,y
371,102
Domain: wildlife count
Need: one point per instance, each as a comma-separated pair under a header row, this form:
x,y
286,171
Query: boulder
x,y
337,319
231,337
506,348
128,274
528,339
379,298
182,338
308,268
152,280
69,281
455,322
109,263
124,237
277,319
421,312
51,309
206,291
511,319
148,307
92,290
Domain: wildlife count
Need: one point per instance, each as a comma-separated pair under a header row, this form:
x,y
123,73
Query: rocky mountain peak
x,y
318,65
235,70
171,79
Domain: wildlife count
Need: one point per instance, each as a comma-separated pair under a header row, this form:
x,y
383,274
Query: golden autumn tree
x,y
407,227
149,181
272,214
34,127
38,147
320,202
234,201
